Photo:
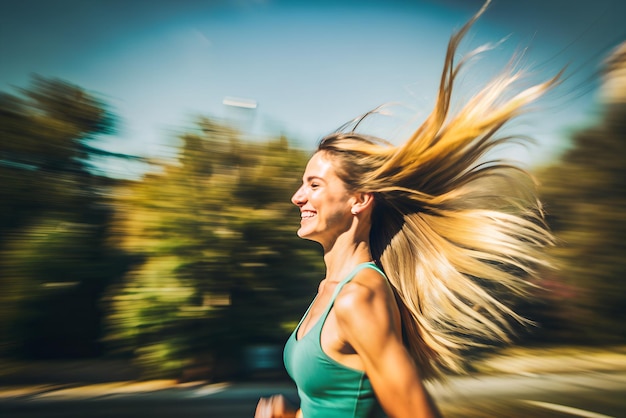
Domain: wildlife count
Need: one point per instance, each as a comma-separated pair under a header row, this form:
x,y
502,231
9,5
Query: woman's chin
x,y
306,233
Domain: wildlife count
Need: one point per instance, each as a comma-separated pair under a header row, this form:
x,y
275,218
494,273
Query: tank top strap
x,y
349,277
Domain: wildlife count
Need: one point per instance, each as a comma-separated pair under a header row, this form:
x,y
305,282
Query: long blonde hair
x,y
450,228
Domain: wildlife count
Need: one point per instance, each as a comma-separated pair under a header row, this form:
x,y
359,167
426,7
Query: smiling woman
x,y
418,240
323,199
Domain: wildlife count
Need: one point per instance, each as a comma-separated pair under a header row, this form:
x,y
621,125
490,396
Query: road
x,y
588,394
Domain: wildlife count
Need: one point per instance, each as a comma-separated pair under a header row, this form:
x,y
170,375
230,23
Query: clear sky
x,y
310,66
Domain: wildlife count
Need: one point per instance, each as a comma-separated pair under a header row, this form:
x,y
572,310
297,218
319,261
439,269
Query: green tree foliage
x,y
47,140
585,194
54,262
223,268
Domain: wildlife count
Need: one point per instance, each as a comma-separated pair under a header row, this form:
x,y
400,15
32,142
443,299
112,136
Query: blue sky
x,y
310,66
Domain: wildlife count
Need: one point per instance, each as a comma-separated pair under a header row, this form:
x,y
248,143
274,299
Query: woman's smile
x,y
307,214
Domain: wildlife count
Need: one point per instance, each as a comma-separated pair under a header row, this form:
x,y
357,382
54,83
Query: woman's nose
x,y
298,197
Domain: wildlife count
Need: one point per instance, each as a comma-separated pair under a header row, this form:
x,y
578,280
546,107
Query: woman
x,y
419,240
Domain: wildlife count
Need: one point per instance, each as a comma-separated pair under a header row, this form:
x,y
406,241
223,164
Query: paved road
x,y
589,394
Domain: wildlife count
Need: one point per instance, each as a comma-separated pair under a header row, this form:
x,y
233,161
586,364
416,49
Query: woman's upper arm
x,y
369,321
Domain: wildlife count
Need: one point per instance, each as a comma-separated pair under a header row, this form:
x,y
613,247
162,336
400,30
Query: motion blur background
x,y
148,153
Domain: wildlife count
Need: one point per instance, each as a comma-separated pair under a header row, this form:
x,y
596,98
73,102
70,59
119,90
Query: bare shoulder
x,y
367,314
366,291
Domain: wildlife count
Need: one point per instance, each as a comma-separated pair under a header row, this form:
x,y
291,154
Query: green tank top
x,y
326,388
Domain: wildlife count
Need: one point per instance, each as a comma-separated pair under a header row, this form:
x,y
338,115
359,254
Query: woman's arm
x,y
369,321
275,407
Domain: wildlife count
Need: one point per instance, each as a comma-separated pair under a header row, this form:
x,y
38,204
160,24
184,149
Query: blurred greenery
x,y
585,196
222,268
54,261
198,260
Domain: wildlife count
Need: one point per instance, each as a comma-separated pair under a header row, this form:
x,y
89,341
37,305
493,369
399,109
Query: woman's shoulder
x,y
366,310
366,289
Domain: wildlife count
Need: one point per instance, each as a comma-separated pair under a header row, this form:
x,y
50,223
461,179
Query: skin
x,y
363,329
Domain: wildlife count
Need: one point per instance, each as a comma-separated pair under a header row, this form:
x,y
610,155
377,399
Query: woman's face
x,y
325,203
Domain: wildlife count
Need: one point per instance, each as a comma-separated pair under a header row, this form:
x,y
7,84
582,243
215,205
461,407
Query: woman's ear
x,y
362,201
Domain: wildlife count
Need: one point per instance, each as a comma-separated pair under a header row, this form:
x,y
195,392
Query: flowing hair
x,y
454,232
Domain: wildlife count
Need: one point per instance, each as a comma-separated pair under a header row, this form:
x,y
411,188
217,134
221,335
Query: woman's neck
x,y
343,256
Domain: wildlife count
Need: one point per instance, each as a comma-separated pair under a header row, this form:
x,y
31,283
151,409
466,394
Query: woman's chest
x,y
319,309
316,313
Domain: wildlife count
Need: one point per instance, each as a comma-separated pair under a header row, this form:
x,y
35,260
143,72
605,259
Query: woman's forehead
x,y
320,166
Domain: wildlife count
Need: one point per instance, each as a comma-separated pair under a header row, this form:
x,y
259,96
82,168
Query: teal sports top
x,y
326,388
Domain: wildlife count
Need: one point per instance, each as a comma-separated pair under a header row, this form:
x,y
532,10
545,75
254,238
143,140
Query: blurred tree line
x,y
222,268
585,196
198,260
181,269
54,261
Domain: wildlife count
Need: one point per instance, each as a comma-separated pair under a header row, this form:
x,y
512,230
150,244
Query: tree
x,y
54,261
222,266
586,200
